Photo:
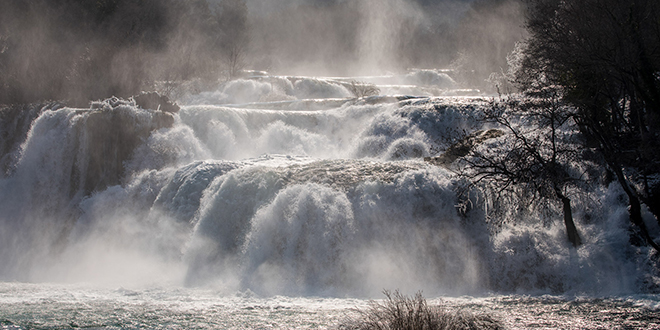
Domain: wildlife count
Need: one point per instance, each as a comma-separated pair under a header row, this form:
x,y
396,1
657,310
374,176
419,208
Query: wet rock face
x,y
155,101
463,147
15,123
109,137
105,137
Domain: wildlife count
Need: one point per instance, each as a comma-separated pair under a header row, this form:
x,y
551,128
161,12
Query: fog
x,y
80,51
274,183
375,37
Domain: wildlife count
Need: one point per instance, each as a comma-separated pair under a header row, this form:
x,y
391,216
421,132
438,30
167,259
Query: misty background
x,y
78,50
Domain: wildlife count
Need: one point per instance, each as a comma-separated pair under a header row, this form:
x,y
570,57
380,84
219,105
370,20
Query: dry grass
x,y
399,312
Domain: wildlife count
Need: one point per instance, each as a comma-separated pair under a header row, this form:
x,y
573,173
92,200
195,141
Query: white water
x,y
280,196
54,306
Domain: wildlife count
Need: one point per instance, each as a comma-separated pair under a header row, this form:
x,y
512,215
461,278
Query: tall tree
x,y
606,56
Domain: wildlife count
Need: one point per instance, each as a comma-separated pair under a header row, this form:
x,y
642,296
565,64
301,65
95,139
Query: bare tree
x,y
233,38
536,154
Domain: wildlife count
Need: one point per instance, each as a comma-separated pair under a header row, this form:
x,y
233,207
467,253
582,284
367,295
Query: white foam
x,y
300,202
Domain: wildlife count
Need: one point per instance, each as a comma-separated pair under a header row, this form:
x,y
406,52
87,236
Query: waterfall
x,y
296,196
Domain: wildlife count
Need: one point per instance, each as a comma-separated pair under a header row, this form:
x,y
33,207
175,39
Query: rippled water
x,y
56,306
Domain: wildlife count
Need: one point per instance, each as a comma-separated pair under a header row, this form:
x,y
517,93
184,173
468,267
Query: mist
x,y
377,37
276,163
75,51
104,178
99,179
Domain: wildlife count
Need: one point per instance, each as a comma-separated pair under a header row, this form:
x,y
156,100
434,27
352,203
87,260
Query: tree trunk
x,y
571,230
651,198
635,210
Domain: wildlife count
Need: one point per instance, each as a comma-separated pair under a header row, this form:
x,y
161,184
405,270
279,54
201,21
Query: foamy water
x,y
281,202
55,306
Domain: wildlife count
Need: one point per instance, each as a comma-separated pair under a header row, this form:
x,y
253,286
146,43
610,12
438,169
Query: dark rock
x,y
462,148
109,135
155,101
15,123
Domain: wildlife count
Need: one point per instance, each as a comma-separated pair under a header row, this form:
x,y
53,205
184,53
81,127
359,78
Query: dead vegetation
x,y
361,89
399,312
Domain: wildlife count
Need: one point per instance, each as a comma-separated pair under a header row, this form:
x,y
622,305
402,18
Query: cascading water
x,y
284,195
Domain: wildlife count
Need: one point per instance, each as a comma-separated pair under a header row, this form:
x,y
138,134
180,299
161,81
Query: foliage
x,y
399,312
605,54
77,49
81,50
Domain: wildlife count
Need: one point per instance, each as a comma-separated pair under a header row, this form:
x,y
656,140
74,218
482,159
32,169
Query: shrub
x,y
360,89
409,313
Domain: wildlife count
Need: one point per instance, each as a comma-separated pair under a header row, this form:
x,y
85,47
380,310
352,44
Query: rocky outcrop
x,y
15,123
108,136
463,148
155,101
